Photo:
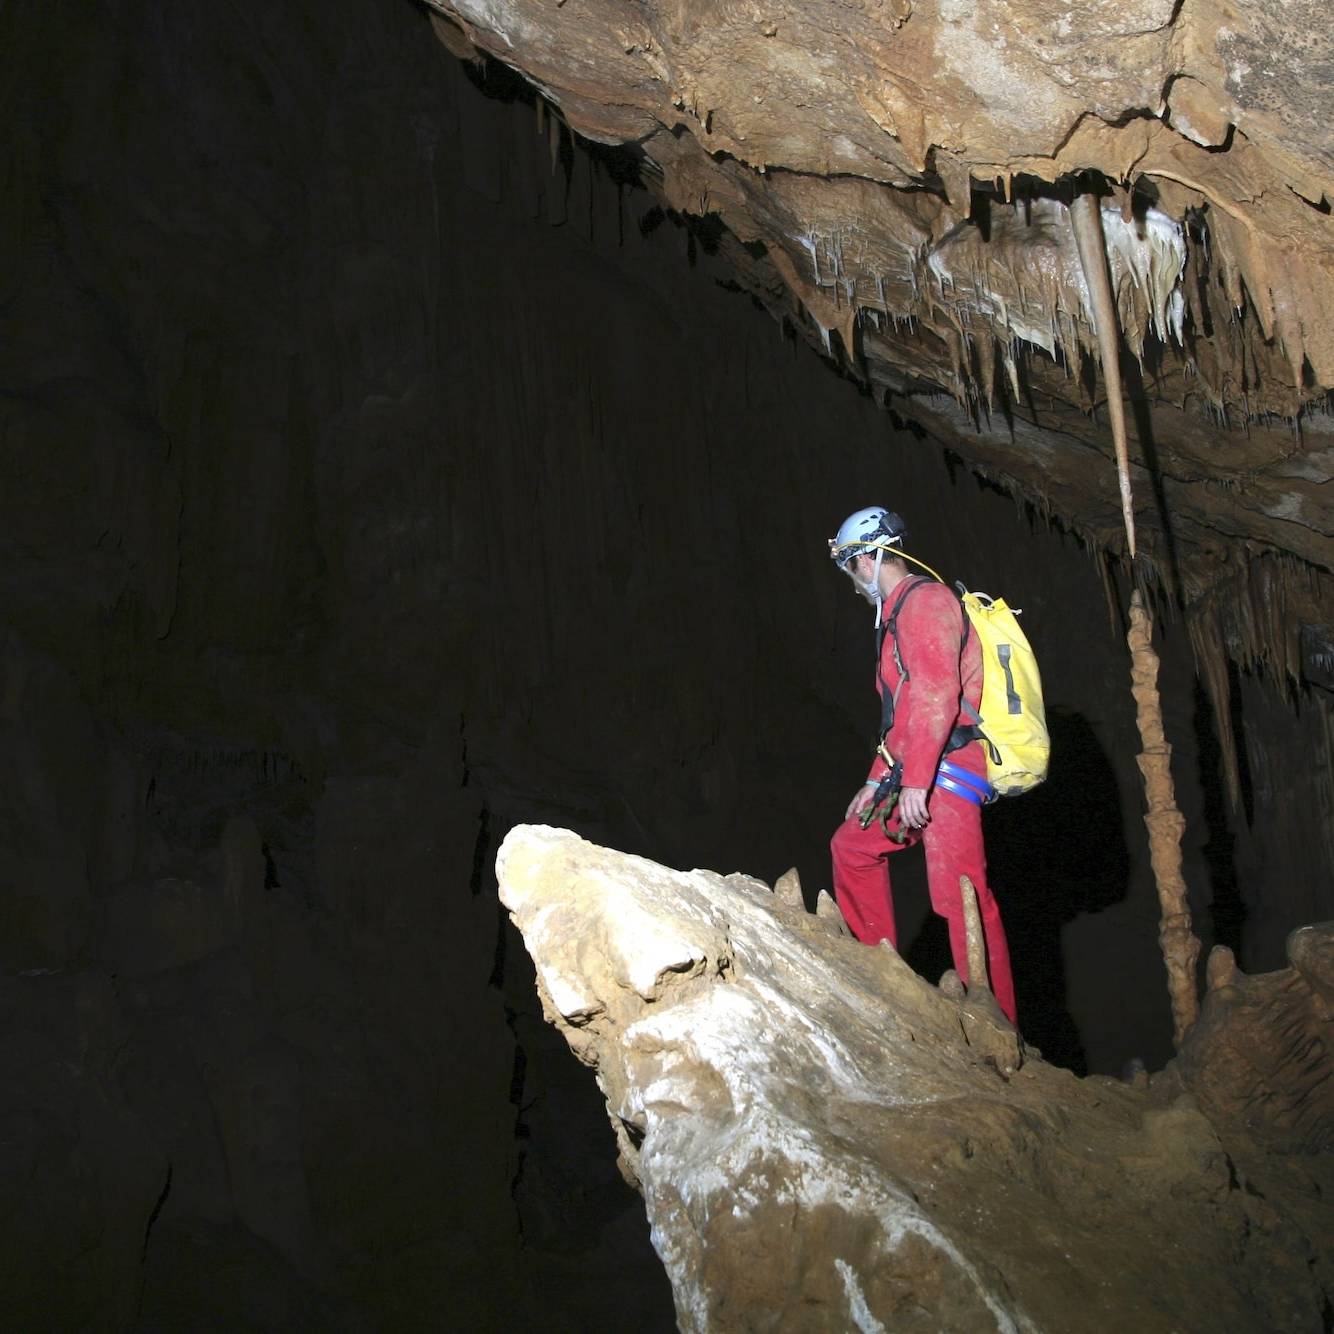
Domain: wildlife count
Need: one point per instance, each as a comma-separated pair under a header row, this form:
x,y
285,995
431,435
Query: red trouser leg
x,y
861,881
953,839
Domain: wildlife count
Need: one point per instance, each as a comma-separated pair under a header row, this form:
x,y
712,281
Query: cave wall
x,y
377,478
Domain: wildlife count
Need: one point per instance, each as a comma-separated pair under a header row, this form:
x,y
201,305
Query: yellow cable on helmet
x,y
893,551
922,564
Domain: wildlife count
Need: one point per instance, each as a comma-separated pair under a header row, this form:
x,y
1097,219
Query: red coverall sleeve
x,y
930,631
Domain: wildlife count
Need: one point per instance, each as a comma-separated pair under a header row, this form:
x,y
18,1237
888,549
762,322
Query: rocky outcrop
x,y
1260,1060
826,1141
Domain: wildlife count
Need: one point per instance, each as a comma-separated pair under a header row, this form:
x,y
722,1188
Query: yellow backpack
x,y
1011,717
1010,720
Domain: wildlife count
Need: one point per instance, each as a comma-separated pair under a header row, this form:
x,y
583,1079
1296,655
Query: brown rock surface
x,y
824,1141
1261,1059
893,178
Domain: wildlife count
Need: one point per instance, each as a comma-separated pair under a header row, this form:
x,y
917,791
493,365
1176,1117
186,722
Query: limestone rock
x,y
787,889
825,1141
1261,1056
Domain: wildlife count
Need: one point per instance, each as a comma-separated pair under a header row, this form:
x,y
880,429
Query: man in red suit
x,y
929,668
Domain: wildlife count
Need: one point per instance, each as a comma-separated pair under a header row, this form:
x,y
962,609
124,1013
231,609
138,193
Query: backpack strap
x,y
890,626
960,591
965,733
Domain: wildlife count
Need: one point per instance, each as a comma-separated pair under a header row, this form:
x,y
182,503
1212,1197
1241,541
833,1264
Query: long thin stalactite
x,y
1180,945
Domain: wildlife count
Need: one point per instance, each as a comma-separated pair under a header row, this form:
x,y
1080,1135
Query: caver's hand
x,y
912,808
860,801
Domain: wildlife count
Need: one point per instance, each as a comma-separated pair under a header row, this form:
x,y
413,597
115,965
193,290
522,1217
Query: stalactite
x,y
1211,662
1012,369
1108,591
554,140
1085,216
1180,946
986,364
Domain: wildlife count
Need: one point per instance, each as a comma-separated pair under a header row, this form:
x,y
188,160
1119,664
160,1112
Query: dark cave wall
x,y
372,483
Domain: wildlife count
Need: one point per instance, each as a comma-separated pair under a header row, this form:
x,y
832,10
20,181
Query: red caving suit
x,y
930,632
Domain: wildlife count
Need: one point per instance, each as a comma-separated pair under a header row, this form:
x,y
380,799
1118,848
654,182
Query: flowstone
x,y
824,1140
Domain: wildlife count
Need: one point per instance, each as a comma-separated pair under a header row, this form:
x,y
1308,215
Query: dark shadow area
x,y
581,1226
1053,854
1246,781
1226,907
928,948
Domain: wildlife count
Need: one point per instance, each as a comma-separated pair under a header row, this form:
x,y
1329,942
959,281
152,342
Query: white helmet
x,y
873,529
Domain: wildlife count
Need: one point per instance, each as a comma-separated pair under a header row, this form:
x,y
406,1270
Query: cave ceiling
x,y
891,179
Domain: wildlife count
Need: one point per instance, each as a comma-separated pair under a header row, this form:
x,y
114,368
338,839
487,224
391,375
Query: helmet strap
x,y
875,587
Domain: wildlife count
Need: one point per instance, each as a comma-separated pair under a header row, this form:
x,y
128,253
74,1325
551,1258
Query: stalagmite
x,y
1221,969
827,910
787,889
977,947
1180,946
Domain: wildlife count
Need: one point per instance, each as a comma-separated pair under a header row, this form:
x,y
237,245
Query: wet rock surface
x,y
825,1141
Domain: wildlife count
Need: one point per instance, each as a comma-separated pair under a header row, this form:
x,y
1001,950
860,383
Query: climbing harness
x,y
965,783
